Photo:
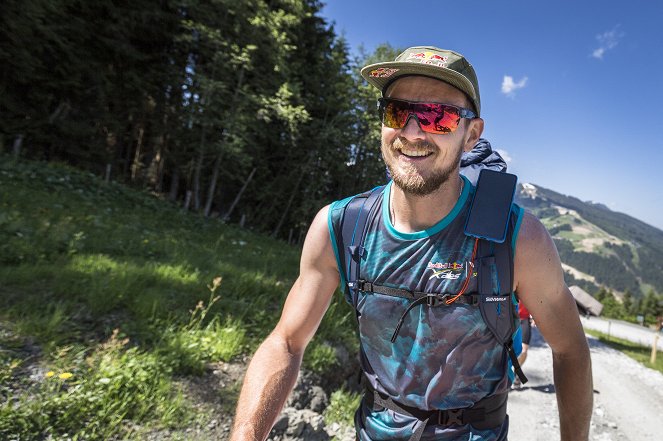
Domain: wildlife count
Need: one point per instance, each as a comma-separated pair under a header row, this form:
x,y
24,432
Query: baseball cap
x,y
442,64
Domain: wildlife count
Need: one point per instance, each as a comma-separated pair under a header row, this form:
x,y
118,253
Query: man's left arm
x,y
539,284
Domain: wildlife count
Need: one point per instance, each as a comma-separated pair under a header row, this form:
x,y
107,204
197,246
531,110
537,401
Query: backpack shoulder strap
x,y
350,232
497,306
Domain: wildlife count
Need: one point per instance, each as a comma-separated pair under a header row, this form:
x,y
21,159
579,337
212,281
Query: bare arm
x,y
539,283
273,370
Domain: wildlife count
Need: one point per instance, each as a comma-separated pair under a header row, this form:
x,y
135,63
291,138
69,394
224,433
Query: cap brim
x,y
408,68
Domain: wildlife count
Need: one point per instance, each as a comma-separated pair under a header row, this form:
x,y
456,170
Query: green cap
x,y
445,65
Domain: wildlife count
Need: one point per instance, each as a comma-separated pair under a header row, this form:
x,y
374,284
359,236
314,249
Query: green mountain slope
x,y
599,247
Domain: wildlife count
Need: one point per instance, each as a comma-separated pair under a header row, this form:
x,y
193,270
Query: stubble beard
x,y
411,181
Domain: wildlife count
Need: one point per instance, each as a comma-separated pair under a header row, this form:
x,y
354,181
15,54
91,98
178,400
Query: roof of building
x,y
586,301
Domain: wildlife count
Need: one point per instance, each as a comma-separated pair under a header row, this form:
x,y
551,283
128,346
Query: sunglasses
x,y
436,118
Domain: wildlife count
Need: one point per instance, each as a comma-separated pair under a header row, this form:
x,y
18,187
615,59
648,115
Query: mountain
x,y
598,247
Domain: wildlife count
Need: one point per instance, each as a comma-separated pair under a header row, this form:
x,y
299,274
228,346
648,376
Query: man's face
x,y
421,162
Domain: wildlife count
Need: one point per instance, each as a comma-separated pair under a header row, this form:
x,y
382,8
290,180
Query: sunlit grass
x,y
79,258
342,407
637,352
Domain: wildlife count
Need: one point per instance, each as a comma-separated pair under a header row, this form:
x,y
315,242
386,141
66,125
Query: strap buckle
x,y
451,416
435,299
361,285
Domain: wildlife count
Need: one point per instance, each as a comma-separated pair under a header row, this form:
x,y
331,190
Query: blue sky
x,y
571,91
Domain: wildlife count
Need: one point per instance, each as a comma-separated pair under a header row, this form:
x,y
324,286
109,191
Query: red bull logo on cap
x,y
428,58
383,72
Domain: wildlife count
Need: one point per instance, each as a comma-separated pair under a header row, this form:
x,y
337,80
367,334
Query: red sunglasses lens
x,y
433,117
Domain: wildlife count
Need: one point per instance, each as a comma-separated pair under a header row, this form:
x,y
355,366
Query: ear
x,y
473,133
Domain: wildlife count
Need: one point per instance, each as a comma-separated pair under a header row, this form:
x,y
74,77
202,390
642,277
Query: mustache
x,y
400,143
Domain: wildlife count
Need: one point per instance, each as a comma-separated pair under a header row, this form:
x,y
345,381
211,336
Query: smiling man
x,y
433,367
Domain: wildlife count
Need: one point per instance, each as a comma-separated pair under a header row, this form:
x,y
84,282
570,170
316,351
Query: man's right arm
x,y
273,370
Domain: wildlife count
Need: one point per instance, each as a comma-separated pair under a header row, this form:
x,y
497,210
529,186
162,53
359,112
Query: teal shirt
x,y
444,357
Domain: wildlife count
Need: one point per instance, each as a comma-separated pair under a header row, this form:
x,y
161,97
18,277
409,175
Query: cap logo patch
x,y
383,72
428,58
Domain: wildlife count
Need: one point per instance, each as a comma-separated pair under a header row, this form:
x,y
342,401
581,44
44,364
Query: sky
x,y
571,91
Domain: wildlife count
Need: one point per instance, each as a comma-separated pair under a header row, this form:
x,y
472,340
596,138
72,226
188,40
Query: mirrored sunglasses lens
x,y
440,119
395,114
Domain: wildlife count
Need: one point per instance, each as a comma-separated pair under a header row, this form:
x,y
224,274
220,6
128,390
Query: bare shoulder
x,y
318,249
532,236
536,258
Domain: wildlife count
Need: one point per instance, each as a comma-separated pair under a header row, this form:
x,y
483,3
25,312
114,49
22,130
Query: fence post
x,y
653,349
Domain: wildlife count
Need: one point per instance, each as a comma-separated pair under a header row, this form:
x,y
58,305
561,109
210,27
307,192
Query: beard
x,y
411,180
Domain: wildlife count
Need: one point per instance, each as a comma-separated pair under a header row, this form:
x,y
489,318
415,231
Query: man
x,y
436,360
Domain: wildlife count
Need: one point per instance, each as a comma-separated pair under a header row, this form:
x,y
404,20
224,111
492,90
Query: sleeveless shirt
x,y
444,357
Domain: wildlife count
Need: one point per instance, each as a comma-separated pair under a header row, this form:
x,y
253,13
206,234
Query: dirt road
x,y
628,398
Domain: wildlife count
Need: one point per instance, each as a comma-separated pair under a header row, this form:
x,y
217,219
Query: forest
x,y
250,111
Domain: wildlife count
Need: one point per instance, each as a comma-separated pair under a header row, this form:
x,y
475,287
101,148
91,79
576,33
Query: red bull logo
x,y
446,265
428,58
382,72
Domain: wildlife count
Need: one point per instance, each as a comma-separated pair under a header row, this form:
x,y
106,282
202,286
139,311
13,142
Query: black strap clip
x,y
361,285
435,299
451,416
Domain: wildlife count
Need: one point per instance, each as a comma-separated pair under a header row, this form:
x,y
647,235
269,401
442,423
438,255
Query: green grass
x,y
637,352
342,407
127,293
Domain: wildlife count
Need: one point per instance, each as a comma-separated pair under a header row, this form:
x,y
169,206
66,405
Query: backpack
x,y
499,311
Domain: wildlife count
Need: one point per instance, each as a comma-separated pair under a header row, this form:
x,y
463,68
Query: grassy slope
x,y
80,258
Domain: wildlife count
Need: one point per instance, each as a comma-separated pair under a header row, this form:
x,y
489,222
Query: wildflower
x,y
65,375
49,374
215,283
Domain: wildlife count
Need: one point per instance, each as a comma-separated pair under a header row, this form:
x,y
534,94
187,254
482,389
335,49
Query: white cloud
x,y
607,41
505,155
509,86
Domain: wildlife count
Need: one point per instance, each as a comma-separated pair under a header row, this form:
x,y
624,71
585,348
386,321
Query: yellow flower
x,y
49,374
65,375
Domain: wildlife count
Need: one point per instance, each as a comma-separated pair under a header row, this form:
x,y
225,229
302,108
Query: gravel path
x,y
628,398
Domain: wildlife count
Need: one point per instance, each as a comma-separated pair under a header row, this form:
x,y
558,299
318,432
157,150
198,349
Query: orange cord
x,y
467,277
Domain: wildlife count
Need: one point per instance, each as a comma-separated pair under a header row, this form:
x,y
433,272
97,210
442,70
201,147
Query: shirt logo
x,y
446,270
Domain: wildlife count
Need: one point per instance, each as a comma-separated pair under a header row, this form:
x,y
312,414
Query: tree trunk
x,y
284,215
174,185
198,170
239,195
108,172
212,185
187,200
136,165
18,143
217,162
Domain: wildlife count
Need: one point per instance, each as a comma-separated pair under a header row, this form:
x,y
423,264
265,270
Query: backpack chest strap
x,y
431,299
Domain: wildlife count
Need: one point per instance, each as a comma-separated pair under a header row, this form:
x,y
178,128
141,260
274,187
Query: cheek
x,y
387,134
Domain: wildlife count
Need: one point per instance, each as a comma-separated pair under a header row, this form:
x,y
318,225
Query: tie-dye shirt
x,y
444,357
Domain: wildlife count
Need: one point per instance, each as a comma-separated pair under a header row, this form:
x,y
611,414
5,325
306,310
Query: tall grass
x,y
107,295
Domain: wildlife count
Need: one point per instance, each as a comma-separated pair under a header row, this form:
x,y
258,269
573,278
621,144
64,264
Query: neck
x,y
411,213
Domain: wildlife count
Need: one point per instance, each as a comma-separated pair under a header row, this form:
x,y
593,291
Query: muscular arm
x,y
273,370
539,283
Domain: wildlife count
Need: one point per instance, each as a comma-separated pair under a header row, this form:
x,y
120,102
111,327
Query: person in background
x,y
526,324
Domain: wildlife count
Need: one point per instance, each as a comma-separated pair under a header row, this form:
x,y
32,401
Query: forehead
x,y
418,88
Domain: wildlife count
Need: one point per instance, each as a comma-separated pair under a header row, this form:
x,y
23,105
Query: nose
x,y
412,128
